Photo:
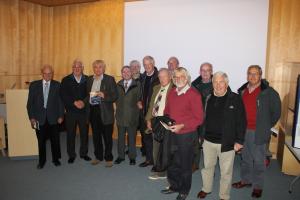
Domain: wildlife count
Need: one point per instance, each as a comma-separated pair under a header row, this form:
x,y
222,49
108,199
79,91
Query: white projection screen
x,y
230,34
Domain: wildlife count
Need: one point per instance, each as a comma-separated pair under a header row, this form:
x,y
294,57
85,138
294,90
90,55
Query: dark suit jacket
x,y
109,88
35,103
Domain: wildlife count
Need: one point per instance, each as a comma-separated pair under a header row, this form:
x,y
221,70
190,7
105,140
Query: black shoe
x,y
167,191
86,158
153,169
119,160
40,166
71,160
56,163
145,164
132,162
181,196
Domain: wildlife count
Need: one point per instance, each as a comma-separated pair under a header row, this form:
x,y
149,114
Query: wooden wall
x,y
283,53
32,35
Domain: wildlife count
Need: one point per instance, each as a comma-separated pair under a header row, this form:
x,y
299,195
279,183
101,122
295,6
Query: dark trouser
x,y
198,146
179,172
131,131
100,130
48,131
147,141
253,161
142,127
72,119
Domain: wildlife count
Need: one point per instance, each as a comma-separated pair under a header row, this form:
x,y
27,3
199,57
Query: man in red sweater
x,y
184,105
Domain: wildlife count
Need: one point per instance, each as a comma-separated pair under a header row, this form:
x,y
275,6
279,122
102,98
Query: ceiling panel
x,y
59,2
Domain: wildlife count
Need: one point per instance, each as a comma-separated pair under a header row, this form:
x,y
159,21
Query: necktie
x,y
126,86
157,103
46,91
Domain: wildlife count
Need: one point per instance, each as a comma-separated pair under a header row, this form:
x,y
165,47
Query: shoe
x,y
145,164
95,162
240,184
256,193
109,164
181,196
153,169
167,191
194,168
132,162
119,160
156,177
71,160
40,166
56,163
126,152
202,194
86,158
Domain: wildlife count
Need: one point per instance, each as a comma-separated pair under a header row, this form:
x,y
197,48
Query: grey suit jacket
x,y
109,88
35,103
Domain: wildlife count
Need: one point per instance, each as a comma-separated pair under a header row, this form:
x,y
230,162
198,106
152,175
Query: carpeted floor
x,y
20,180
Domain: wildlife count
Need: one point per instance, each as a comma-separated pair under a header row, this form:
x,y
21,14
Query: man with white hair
x,y
225,126
184,106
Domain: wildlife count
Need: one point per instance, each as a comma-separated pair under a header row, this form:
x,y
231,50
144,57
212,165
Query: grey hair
x,y
99,62
174,58
135,62
165,70
222,74
255,67
183,71
77,62
208,64
149,58
47,66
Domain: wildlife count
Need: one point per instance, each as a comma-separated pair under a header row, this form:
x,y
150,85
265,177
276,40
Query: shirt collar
x,y
101,77
128,82
164,87
46,81
183,90
77,79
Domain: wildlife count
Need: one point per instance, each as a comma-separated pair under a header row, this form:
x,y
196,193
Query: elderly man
x,y
148,80
102,93
156,108
45,114
135,68
204,86
184,106
263,108
127,114
225,126
73,93
173,63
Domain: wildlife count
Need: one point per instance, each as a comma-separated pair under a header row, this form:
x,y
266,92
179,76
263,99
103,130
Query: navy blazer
x,y
35,103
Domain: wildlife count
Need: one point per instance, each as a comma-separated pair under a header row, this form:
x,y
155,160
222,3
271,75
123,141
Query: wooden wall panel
x,y
32,35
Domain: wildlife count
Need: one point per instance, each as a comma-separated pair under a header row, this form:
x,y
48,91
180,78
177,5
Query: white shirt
x,y
183,90
162,104
77,79
128,83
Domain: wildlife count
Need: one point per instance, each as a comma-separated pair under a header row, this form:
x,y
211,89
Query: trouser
x,y
147,141
179,172
72,119
253,161
131,131
48,131
156,146
101,131
142,128
198,147
211,153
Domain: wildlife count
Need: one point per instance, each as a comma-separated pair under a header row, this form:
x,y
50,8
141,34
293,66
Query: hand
x,y
139,105
79,104
149,125
100,94
60,120
176,128
237,147
33,122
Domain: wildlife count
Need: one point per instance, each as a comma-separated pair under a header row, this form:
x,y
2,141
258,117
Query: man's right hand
x,y
33,122
149,126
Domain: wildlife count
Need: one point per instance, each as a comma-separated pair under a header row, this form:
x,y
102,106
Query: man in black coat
x,y
101,94
45,111
73,92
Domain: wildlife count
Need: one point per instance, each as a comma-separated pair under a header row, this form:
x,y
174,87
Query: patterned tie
x,y
126,86
46,91
157,103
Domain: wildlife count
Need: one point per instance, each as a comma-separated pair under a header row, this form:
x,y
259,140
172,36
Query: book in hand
x,y
94,98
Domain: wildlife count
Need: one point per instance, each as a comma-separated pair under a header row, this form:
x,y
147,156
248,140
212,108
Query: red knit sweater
x,y
185,109
249,100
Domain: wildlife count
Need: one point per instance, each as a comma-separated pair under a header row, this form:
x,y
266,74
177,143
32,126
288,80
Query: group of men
x,y
205,114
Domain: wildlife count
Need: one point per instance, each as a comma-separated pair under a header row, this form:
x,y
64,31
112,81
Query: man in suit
x,y
148,80
156,108
73,92
102,93
45,110
127,114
